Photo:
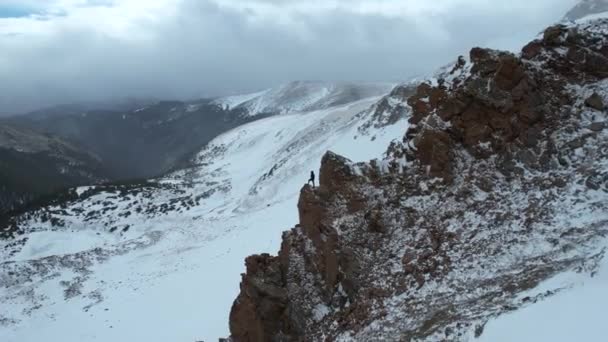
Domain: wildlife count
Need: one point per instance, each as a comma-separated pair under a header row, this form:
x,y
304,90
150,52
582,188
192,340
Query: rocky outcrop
x,y
498,184
389,110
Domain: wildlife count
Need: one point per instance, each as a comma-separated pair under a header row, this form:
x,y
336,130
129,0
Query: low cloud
x,y
76,50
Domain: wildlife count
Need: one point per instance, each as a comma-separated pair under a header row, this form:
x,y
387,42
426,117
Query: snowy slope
x,y
577,310
162,262
576,313
462,222
303,96
586,8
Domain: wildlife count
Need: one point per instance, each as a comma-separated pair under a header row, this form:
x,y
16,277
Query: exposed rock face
x,y
499,183
258,316
391,108
595,101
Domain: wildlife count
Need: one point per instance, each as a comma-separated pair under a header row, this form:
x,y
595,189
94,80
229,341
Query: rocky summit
x,y
500,183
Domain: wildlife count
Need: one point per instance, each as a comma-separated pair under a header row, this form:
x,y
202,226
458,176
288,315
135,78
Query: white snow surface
x,y
236,100
302,96
592,17
578,313
173,276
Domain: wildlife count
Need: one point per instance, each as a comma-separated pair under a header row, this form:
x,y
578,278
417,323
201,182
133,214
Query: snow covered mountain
x,y
145,142
386,250
303,96
587,8
125,262
492,207
161,136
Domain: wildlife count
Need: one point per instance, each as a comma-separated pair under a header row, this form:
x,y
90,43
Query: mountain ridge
x,y
499,184
303,96
35,164
117,246
585,8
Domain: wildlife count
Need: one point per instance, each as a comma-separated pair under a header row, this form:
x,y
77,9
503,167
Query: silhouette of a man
x,y
312,178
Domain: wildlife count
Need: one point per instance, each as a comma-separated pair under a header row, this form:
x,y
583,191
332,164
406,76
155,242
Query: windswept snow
x,y
592,17
303,96
236,100
586,8
578,313
163,263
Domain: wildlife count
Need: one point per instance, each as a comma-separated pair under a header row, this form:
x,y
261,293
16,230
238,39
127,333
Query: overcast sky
x,y
62,51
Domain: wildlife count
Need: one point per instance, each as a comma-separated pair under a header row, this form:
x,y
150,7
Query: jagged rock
x,y
258,313
593,183
459,65
554,35
597,126
434,150
532,50
386,252
595,101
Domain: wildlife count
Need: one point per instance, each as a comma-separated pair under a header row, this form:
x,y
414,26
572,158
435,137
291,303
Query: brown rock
x,y
500,121
335,172
478,54
593,183
530,116
527,157
483,61
434,150
374,221
409,269
258,312
421,107
477,133
531,137
532,50
512,107
451,107
597,126
553,34
408,257
596,64
473,113
521,90
509,73
459,64
576,55
485,184
595,101
436,96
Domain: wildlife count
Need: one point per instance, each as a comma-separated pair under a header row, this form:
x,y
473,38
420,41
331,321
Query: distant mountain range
x,y
587,7
302,96
132,142
470,205
35,164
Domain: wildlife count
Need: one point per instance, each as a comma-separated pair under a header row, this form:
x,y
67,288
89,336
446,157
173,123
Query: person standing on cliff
x,y
312,178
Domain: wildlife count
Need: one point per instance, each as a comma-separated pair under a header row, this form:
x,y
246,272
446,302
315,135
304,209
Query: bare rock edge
x,y
498,184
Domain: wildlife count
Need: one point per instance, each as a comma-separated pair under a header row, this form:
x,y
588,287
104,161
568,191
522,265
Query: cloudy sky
x,y
60,51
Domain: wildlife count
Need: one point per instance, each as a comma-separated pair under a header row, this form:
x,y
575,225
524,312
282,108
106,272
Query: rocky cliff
x,y
500,182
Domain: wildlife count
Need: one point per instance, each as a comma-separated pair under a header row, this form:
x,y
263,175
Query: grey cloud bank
x,y
195,48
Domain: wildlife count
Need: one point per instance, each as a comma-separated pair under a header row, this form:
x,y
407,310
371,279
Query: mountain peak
x,y
586,8
301,96
499,184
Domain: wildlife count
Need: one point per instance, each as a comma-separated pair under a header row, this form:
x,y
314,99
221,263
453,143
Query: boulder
x,y
595,101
